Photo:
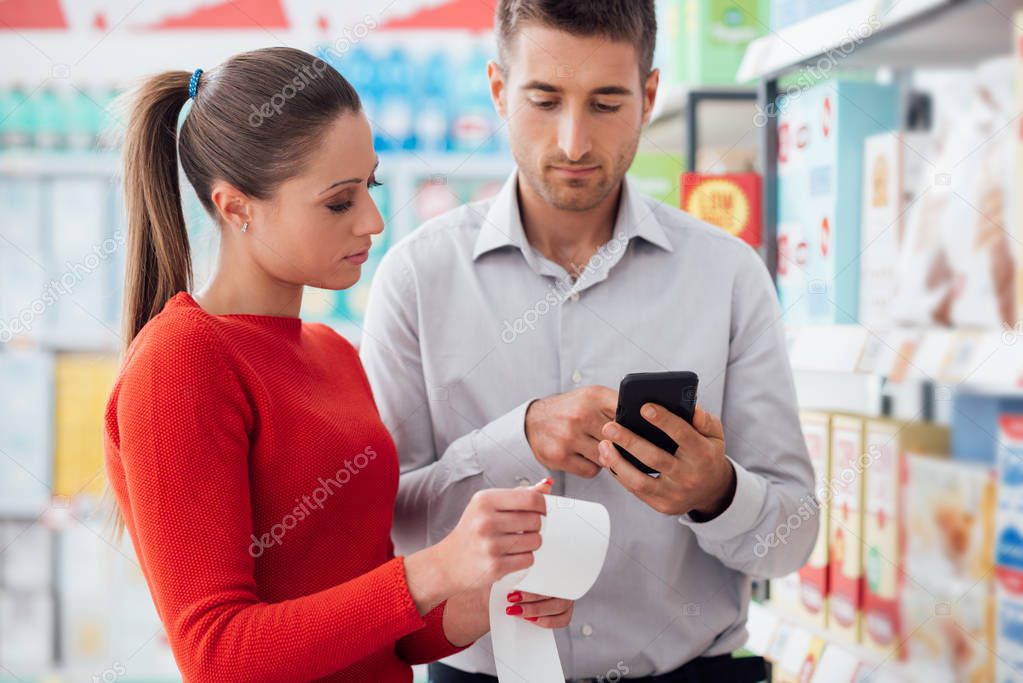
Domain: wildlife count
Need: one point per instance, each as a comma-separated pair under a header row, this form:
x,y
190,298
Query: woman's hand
x,y
540,609
497,534
467,615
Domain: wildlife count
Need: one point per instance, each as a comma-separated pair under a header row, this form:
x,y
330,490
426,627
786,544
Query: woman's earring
x,y
245,226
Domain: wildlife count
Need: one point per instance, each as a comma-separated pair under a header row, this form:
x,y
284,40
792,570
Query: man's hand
x,y
697,479
563,430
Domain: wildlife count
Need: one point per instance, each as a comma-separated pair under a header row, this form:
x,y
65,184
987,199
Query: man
x,y
496,333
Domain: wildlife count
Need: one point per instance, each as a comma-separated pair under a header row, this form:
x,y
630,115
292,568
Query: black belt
x,y
719,669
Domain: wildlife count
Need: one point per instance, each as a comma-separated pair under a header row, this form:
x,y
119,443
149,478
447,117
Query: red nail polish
x,y
515,596
548,481
513,610
531,618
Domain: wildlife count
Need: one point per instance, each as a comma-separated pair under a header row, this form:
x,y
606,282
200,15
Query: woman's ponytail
x,y
158,262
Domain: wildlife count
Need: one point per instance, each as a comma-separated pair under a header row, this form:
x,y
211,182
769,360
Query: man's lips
x,y
575,170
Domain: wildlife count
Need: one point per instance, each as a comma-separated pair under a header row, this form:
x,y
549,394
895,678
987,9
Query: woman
x,y
243,446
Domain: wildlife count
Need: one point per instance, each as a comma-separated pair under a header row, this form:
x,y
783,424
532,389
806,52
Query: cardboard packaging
x,y
705,40
845,523
813,576
26,473
956,266
1009,549
83,384
947,603
893,168
950,518
888,444
821,132
950,631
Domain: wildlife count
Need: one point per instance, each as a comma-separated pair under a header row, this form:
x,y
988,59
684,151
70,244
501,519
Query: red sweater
x,y
258,483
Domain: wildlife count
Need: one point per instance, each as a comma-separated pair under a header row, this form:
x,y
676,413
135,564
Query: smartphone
x,y
676,391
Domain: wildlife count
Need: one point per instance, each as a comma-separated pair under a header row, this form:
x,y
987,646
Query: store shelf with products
x,y
893,162
64,242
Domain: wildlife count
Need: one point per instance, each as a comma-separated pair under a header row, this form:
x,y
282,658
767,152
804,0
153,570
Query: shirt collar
x,y
502,225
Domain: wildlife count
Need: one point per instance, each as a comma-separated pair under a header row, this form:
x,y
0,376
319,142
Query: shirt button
x,y
587,630
574,296
577,377
523,481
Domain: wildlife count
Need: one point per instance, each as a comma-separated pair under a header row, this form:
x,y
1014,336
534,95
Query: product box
x,y
888,444
950,627
845,523
821,133
23,258
731,201
837,665
26,432
784,594
784,13
26,633
956,266
893,168
1009,548
704,41
85,280
26,559
1017,211
950,519
83,385
974,420
800,658
813,576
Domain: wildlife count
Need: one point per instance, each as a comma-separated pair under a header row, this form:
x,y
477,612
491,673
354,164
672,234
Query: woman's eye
x,y
373,182
339,208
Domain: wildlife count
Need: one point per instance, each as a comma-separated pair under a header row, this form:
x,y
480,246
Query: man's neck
x,y
568,238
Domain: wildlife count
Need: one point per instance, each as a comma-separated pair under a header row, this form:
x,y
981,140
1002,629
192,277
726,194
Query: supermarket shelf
x,y
880,33
34,163
981,361
772,632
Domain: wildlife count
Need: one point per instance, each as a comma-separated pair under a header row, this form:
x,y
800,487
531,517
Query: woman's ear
x,y
234,208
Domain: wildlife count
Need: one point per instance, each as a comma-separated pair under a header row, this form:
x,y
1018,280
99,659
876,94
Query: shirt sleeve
x,y
435,486
182,428
770,527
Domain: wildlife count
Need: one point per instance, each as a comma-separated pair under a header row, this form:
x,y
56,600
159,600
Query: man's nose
x,y
573,138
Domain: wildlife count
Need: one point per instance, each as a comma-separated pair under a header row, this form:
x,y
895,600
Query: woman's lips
x,y
358,258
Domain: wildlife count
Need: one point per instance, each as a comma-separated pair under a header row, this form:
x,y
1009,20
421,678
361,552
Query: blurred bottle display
x,y
433,102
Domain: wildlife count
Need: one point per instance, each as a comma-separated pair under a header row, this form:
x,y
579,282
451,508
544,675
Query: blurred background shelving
x,y
870,150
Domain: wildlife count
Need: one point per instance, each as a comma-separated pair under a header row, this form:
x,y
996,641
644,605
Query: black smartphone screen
x,y
676,391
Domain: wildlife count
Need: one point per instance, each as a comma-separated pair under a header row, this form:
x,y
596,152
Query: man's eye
x,y
544,104
606,108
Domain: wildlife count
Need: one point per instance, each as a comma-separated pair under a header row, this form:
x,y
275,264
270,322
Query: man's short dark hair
x,y
631,21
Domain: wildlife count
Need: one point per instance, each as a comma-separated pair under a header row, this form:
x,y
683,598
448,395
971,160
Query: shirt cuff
x,y
740,516
503,453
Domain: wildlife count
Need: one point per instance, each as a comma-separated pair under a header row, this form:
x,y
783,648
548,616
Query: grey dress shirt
x,y
467,323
